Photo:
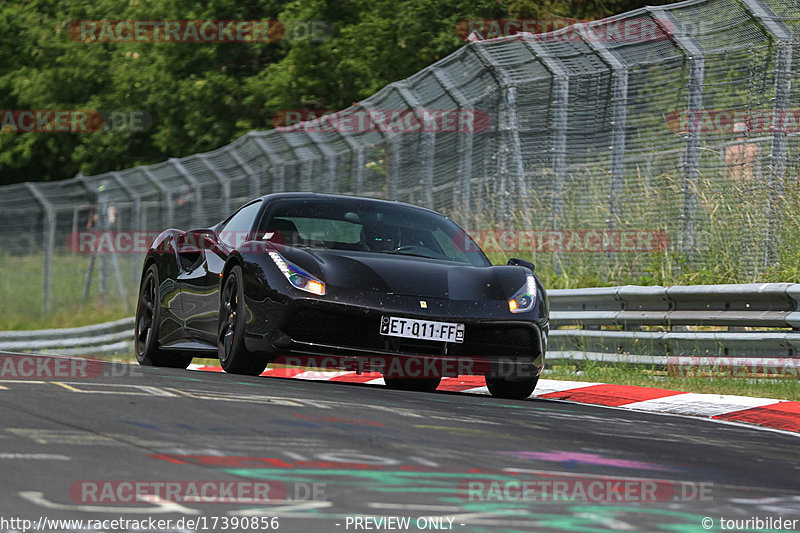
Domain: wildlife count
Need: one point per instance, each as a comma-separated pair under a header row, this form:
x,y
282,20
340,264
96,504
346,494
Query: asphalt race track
x,y
345,457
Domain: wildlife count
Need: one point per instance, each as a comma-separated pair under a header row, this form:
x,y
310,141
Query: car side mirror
x,y
514,261
196,240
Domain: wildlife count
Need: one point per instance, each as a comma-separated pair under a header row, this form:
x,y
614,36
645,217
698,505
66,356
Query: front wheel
x,y
511,389
148,317
413,384
234,356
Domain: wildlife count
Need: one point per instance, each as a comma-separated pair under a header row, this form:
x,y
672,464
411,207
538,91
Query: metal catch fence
x,y
688,128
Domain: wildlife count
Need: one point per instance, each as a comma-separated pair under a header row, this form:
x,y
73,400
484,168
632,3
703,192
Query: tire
x,y
413,384
233,354
511,389
148,317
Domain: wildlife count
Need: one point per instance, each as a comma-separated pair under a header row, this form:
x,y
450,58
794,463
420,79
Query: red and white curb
x,y
776,414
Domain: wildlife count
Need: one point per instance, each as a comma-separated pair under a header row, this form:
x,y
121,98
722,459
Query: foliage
x,y
202,96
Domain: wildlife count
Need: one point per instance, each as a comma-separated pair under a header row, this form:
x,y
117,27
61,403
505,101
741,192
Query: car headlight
x,y
523,300
299,278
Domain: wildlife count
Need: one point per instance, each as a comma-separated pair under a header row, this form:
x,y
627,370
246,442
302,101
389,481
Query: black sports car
x,y
343,282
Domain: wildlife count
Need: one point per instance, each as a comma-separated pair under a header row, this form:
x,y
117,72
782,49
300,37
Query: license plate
x,y
429,330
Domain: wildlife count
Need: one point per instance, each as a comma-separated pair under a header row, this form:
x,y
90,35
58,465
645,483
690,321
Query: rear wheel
x,y
148,316
413,384
234,356
517,389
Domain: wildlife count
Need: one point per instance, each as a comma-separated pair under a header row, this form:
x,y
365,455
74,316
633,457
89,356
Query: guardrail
x,y
648,325
110,338
628,324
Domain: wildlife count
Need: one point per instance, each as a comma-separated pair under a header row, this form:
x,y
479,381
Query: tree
x,y
199,96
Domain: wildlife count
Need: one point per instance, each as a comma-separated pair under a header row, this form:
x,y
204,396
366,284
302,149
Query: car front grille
x,y
362,332
493,341
335,329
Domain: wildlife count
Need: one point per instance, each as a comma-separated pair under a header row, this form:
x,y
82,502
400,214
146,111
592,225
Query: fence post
x,y
133,195
428,138
392,151
166,195
619,106
783,38
465,141
253,181
278,182
693,51
48,243
306,164
139,224
357,150
105,225
224,184
560,105
560,117
198,193
328,160
509,127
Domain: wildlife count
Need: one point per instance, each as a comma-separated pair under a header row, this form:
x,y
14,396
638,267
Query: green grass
x,y
731,222
21,293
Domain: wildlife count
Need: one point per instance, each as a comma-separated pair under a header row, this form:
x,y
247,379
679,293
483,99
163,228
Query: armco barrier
x,y
606,324
596,324
100,339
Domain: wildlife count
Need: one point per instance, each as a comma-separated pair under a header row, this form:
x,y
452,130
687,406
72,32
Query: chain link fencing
x,y
680,120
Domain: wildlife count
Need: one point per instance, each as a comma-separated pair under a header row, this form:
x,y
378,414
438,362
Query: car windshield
x,y
362,225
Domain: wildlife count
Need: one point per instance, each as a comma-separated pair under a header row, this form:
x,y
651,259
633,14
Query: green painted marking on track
x,y
397,479
184,378
445,400
525,407
505,405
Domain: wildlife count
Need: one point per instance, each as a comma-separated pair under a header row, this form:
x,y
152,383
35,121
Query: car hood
x,y
410,276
